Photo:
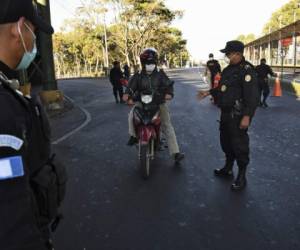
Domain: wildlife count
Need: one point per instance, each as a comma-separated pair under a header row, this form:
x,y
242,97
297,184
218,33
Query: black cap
x,y
211,55
12,10
233,46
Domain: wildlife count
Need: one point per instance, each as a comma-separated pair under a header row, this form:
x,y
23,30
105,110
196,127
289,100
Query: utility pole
x,y
50,95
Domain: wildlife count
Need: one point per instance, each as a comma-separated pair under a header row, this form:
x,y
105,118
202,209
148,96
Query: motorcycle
x,y
146,120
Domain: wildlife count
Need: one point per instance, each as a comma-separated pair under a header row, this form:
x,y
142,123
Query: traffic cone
x,y
277,92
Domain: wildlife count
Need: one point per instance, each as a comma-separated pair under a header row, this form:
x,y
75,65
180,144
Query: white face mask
x,y
150,67
226,60
28,57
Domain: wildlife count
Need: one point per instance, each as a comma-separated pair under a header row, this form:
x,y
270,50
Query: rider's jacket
x,y
158,83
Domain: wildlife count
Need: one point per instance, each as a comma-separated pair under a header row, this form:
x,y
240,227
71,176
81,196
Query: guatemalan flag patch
x,y
11,167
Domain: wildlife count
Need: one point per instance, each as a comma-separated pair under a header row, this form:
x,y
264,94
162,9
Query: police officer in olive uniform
x,y
263,71
238,97
213,66
31,184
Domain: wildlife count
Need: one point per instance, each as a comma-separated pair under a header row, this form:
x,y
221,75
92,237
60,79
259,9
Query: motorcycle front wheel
x,y
145,158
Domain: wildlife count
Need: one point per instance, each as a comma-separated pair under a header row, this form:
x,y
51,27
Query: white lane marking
x,y
76,130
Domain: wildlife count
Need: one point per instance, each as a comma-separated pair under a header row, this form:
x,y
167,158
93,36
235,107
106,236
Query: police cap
x,y
12,10
233,46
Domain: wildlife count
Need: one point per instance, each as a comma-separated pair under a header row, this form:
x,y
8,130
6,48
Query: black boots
x,y
132,140
240,182
178,157
224,172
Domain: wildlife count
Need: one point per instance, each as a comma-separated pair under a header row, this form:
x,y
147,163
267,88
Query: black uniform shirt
x,y
238,84
263,70
18,229
213,66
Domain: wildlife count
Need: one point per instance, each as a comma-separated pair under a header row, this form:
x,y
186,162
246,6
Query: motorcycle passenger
x,y
153,79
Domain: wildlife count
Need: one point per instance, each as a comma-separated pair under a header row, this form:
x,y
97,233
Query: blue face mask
x,y
28,57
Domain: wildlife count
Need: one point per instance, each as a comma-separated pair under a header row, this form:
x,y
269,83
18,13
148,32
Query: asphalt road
x,y
109,207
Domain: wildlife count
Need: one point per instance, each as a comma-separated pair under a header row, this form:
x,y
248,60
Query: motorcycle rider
x,y
154,79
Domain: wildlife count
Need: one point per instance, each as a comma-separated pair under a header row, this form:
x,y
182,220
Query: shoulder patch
x,y
11,142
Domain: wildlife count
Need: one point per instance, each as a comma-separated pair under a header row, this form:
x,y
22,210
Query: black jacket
x,y
238,84
158,83
263,70
214,67
115,76
18,225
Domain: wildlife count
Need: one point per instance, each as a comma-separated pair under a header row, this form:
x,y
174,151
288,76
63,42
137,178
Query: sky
x,y
206,25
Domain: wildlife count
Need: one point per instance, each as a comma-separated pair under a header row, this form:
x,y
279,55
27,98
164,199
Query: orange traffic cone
x,y
216,80
277,87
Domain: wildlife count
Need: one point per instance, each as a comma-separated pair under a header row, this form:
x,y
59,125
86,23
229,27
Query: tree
x,y
86,40
286,15
246,38
139,20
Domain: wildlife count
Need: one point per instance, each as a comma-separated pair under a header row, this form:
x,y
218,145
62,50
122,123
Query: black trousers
x,y
234,141
264,89
118,89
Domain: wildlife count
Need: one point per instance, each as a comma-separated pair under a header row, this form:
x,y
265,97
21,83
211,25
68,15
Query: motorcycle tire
x,y
145,161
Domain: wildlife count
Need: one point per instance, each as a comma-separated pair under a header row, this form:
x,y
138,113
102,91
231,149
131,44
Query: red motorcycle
x,y
146,119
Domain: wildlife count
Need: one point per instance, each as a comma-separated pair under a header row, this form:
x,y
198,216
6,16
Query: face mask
x,y
28,57
226,59
150,67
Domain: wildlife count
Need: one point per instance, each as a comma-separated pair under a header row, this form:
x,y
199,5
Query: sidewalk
x,y
66,120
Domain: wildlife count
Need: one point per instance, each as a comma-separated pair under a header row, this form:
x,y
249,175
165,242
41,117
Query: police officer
x,y
154,79
115,77
263,71
28,203
213,66
237,96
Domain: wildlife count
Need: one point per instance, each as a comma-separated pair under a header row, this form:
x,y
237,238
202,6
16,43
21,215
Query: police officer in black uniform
x,y
29,178
263,71
237,96
115,77
213,66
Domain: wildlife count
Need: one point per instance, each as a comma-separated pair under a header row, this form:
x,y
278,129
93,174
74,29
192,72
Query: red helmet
x,y
149,56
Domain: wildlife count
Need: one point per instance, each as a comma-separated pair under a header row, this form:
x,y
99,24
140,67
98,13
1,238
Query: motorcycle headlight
x,y
146,99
